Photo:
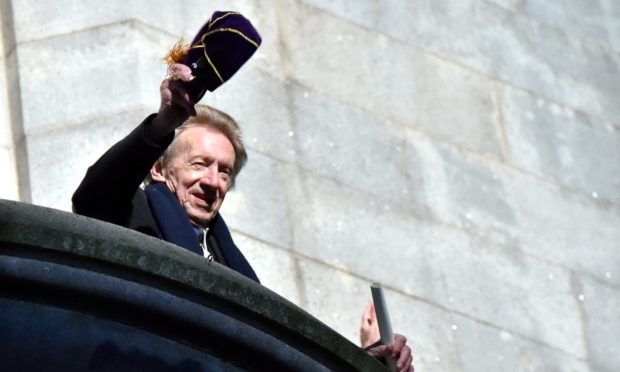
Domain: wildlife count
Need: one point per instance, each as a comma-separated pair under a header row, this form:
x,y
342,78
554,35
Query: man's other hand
x,y
398,352
369,330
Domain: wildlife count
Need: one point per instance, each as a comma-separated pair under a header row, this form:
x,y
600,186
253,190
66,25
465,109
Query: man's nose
x,y
210,177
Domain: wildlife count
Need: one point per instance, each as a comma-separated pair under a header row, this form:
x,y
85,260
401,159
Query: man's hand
x,y
369,330
174,90
176,103
399,352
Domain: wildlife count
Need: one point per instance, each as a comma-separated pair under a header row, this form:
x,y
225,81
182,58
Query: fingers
x,y
380,351
367,316
404,359
173,89
402,353
369,312
369,329
399,342
181,72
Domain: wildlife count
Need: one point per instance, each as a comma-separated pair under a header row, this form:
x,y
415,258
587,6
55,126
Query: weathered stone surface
x,y
6,134
259,102
338,298
516,209
459,188
311,131
356,232
104,75
509,289
264,215
275,266
583,19
484,348
394,81
36,21
364,13
513,48
6,138
566,228
600,307
441,258
8,186
514,5
59,159
552,141
349,145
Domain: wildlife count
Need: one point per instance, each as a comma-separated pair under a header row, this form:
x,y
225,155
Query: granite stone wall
x,y
465,153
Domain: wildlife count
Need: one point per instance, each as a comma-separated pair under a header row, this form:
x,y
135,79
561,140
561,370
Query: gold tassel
x,y
178,53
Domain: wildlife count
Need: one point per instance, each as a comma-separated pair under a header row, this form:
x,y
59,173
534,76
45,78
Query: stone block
x,y
259,103
389,79
338,299
356,232
364,13
612,11
557,142
600,307
6,137
317,134
459,188
349,145
335,229
58,159
585,20
258,205
11,100
484,348
514,5
8,186
331,223
510,207
503,286
511,47
81,77
35,21
569,229
276,267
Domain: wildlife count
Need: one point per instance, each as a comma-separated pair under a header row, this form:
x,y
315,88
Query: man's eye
x,y
225,174
198,166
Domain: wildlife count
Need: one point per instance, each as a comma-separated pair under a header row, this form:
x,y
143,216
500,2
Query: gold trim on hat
x,y
203,44
233,30
212,65
212,22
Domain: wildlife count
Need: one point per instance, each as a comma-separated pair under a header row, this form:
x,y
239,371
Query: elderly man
x,y
190,175
187,177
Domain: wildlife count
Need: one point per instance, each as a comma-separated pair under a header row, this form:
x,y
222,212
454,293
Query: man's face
x,y
199,172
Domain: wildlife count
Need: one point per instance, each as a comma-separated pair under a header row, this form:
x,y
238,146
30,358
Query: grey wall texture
x,y
465,153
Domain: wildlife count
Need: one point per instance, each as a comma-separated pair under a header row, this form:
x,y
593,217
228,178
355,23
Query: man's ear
x,y
158,172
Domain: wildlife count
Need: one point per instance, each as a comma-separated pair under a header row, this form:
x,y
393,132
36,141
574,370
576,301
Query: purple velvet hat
x,y
221,47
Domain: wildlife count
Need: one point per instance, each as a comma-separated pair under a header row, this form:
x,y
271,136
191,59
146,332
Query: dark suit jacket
x,y
111,192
